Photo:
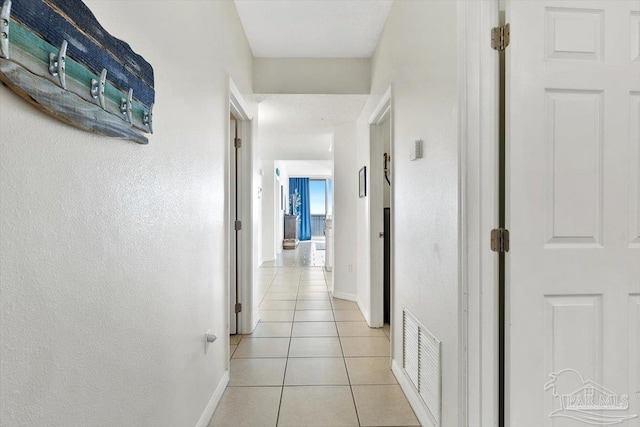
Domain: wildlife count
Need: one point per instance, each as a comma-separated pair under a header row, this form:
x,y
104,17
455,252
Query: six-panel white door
x,y
573,190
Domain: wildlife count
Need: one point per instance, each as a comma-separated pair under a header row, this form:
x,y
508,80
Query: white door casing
x,y
573,272
381,126
479,135
240,112
235,242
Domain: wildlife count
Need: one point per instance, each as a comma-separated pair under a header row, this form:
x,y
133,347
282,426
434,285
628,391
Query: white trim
x,y
229,218
247,319
463,303
416,402
206,416
382,107
383,111
344,296
479,115
365,314
238,102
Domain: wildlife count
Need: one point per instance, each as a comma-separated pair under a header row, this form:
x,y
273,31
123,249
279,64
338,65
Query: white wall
x,y
259,197
345,207
417,54
284,181
312,75
287,146
112,257
256,246
270,202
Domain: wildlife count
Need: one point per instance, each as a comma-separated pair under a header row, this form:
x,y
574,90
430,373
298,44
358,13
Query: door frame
x,y
239,108
382,112
479,83
235,262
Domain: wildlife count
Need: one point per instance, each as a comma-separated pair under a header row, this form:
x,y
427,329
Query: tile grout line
x,y
344,361
286,363
307,273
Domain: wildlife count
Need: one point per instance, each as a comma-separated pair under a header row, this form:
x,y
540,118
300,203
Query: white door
x,y
573,272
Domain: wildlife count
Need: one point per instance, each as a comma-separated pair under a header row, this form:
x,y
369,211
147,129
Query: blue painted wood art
x,y
56,55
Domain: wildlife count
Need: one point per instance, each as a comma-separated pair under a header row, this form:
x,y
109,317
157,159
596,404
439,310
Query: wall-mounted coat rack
x,y
56,55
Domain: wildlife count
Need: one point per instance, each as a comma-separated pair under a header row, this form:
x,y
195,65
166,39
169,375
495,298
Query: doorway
x,y
381,213
242,314
320,192
236,215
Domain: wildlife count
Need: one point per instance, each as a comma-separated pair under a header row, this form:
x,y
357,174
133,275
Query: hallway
x,y
311,361
309,253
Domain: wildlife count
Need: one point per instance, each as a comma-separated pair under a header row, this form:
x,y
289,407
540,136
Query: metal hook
x,y
57,64
5,16
147,118
125,106
97,88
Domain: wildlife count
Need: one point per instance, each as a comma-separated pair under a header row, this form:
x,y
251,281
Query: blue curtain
x,y
304,210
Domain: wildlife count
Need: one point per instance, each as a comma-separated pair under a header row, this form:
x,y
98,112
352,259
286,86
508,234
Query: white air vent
x,y
421,362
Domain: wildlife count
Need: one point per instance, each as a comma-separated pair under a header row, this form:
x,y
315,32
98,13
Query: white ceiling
x,y
313,28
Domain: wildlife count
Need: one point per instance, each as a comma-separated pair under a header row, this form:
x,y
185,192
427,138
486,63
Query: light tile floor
x,y
311,361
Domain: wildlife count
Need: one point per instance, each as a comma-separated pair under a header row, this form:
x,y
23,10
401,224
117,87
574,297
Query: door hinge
x,y
238,308
500,37
237,143
237,225
500,240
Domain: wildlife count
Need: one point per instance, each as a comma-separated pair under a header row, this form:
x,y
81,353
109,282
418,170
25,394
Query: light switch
x,y
416,152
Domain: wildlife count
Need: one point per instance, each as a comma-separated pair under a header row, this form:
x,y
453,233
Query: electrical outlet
x,y
350,268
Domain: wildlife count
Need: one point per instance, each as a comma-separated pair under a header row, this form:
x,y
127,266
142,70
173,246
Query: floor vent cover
x,y
421,362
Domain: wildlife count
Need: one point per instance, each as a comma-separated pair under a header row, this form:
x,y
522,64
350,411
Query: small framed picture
x,y
363,182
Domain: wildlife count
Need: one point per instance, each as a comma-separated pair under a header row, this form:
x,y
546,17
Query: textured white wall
x,y
312,75
279,217
345,220
270,202
417,54
112,257
289,146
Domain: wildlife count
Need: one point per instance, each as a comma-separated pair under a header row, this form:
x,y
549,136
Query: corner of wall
x,y
206,416
344,296
418,406
365,312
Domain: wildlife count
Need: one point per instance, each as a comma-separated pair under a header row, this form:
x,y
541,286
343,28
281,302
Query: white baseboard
x,y
365,313
205,419
416,402
266,260
256,320
344,296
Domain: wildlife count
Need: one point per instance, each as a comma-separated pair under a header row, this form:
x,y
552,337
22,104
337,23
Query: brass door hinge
x,y
238,308
237,143
500,240
237,225
500,37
